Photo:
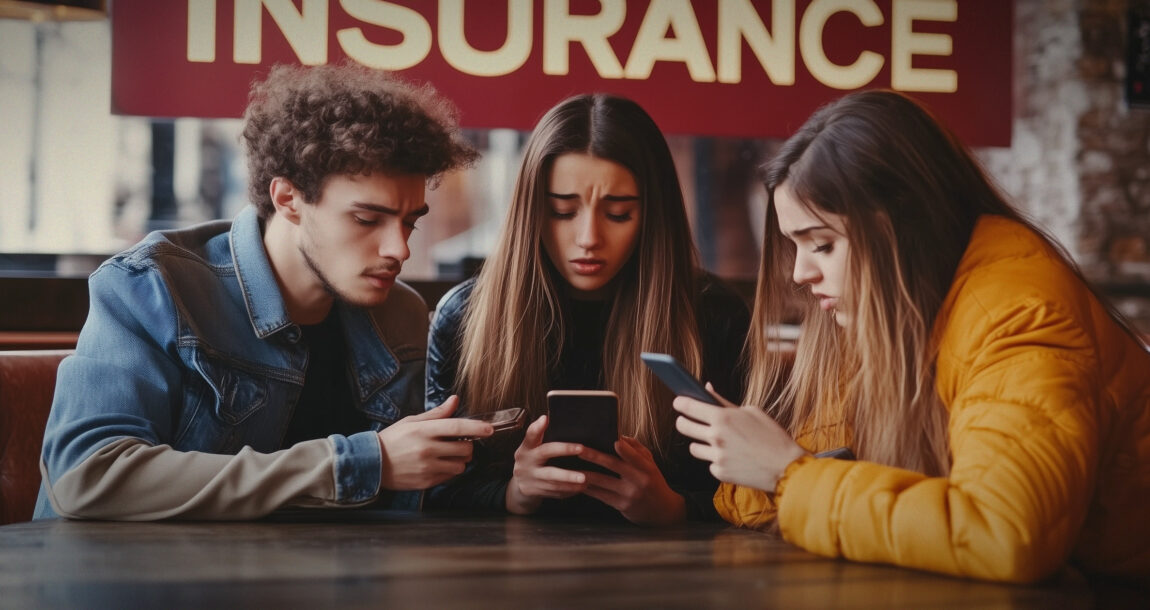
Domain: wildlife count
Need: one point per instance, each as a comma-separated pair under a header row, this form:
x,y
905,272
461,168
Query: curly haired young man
x,y
236,367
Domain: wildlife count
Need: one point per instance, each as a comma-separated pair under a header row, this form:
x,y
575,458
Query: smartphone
x,y
502,420
506,419
587,417
841,453
675,377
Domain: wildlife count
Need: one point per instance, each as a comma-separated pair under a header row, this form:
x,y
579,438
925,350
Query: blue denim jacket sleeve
x,y
123,377
141,375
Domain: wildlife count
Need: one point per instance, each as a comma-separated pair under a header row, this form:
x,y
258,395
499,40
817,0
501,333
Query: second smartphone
x,y
675,377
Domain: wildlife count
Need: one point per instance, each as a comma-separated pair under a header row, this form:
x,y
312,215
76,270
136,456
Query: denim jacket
x,y
186,375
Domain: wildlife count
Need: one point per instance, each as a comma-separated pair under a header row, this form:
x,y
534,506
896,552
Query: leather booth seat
x,y
27,382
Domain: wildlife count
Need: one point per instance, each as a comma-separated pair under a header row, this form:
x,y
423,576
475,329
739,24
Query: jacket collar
x,y
262,297
373,361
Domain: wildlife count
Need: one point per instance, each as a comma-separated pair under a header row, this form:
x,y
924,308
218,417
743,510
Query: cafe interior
x,y
122,117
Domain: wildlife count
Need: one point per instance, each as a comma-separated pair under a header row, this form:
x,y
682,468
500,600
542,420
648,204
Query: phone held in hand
x,y
682,383
675,377
505,419
502,420
587,417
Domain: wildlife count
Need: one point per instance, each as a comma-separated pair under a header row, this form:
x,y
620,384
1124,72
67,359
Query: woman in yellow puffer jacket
x,y
1000,411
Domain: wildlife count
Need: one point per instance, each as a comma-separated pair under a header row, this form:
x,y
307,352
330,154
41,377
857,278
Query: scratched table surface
x,y
396,560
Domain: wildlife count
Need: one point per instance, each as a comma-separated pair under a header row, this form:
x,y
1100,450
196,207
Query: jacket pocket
x,y
235,394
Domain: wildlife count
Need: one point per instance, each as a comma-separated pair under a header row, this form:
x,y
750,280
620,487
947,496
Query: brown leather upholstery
x,y
27,382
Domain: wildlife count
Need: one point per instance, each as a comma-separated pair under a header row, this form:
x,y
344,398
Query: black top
x,y
723,320
325,406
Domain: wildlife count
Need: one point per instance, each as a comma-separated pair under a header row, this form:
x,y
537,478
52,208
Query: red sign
x,y
744,68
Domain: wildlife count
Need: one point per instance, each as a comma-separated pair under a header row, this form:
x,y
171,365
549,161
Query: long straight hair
x,y
911,195
514,326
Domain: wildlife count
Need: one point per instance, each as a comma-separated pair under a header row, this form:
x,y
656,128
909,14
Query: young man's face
x,y
354,239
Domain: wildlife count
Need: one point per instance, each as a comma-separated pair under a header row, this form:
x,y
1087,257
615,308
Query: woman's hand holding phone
x,y
639,493
755,449
618,471
532,479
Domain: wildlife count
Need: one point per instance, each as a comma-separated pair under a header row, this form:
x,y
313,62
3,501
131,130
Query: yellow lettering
x,y
415,29
905,43
854,76
738,20
202,31
305,30
687,46
560,28
504,60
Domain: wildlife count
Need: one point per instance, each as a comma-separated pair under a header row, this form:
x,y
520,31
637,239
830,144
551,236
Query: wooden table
x,y
389,560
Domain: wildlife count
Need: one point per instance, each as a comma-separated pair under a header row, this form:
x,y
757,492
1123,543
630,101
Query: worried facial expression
x,y
821,250
593,218
354,239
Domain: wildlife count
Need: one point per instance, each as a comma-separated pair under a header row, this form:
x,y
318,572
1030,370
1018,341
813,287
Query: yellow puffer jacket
x,y
1049,430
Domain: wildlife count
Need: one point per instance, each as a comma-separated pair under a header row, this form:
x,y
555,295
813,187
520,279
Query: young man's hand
x,y
421,451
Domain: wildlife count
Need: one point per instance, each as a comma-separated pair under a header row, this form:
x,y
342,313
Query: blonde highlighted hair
x,y
911,195
514,325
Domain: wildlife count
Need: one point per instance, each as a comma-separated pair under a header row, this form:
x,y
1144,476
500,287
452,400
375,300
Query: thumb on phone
x,y
534,435
444,410
722,401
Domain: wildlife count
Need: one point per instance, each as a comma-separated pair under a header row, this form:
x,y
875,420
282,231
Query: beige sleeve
x,y
131,480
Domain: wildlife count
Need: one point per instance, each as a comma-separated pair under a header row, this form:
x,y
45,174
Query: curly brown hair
x,y
308,123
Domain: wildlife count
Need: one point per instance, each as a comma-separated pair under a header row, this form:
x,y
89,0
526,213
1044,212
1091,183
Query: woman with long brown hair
x,y
999,410
594,265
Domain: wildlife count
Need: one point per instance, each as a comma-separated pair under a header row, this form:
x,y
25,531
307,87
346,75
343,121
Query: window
x,y
80,184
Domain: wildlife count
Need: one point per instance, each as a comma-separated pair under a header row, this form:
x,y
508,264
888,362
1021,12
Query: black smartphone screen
x,y
587,417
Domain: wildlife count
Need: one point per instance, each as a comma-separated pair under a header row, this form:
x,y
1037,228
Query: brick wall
x,y
1079,163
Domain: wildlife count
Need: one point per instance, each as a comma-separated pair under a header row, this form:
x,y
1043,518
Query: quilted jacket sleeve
x,y
755,508
1018,376
745,506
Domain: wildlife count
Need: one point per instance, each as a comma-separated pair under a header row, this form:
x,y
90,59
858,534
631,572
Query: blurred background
x,y
79,183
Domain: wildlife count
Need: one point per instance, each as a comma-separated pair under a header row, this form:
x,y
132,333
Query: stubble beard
x,y
330,288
